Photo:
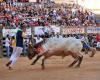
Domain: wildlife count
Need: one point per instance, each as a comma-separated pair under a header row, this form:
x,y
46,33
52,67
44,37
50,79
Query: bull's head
x,y
31,51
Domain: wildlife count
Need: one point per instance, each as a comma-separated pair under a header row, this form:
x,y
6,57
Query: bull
x,y
59,47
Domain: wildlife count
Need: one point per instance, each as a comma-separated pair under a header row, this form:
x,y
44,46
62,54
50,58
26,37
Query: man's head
x,y
23,28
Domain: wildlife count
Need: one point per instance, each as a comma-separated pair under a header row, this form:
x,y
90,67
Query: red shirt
x,y
98,38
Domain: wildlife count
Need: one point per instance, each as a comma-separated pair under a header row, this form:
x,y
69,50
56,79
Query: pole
x,y
1,37
32,36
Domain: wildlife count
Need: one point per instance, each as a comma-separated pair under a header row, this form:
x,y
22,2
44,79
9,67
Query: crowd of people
x,y
14,14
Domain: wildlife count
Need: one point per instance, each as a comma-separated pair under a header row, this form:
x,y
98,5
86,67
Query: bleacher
x,y
3,47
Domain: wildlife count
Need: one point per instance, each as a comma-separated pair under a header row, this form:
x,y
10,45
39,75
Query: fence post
x,y
1,37
86,31
32,33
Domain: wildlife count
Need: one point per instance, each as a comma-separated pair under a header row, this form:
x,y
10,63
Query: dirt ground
x,y
56,69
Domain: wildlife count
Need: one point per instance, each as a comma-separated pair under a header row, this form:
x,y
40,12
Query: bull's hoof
x,y
70,66
43,67
92,55
93,52
33,64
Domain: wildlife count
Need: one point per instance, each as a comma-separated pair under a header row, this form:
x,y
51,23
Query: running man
x,y
18,49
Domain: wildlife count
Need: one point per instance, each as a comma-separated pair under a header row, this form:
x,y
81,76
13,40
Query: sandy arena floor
x,y
56,69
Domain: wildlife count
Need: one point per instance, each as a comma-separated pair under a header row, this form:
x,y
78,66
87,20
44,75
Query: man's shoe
x,y
8,63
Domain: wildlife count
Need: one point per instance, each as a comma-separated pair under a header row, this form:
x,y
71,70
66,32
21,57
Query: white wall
x,y
90,4
93,5
32,0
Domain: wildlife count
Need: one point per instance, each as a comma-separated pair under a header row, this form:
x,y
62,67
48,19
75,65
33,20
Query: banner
x,y
55,29
33,0
40,30
12,32
73,30
93,30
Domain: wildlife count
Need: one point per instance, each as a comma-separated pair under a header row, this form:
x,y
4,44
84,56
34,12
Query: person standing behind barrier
x,y
19,47
86,45
7,45
98,40
13,43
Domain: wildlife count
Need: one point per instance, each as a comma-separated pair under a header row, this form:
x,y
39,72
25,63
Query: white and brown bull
x,y
59,47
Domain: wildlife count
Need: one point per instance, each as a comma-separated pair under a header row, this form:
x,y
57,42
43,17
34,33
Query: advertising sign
x,y
73,30
93,30
12,32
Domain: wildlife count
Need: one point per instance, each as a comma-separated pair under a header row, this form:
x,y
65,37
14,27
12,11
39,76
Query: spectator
x,y
98,40
13,43
7,45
